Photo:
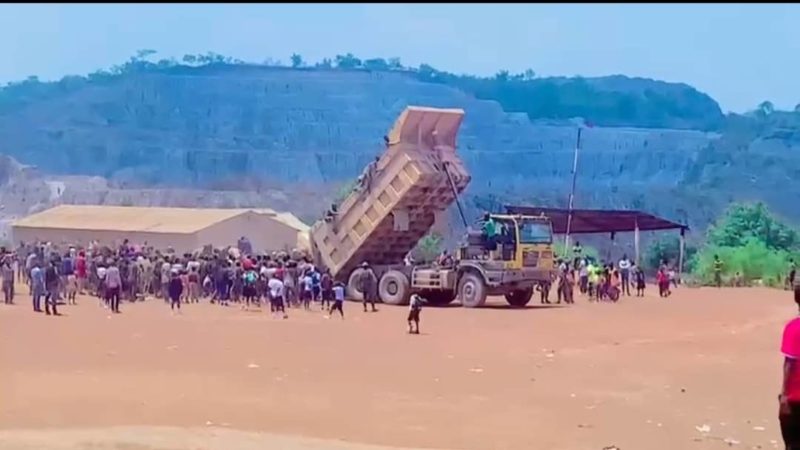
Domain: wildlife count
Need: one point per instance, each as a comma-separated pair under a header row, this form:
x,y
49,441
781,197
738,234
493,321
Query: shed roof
x,y
587,221
137,219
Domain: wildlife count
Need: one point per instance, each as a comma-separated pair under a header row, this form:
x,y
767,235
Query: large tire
x,y
471,290
438,298
393,288
353,291
520,297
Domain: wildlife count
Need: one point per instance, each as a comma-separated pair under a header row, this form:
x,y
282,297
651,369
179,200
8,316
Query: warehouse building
x,y
183,229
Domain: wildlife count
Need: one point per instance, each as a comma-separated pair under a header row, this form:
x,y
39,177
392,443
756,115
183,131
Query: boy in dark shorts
x,y
414,309
338,298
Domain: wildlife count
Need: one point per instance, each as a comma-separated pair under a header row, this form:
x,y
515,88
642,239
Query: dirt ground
x,y
640,374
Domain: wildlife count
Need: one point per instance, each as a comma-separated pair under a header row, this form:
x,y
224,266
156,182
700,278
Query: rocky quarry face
x,y
283,138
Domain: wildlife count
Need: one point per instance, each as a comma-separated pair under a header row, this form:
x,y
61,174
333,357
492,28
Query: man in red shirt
x,y
80,271
789,398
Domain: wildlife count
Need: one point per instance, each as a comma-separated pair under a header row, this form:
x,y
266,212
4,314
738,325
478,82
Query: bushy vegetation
x,y
610,101
588,250
428,248
669,248
752,242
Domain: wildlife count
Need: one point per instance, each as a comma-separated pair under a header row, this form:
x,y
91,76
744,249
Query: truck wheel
x,y
439,298
520,297
471,290
353,293
393,288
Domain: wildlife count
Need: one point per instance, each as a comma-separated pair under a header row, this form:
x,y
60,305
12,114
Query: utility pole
x,y
572,191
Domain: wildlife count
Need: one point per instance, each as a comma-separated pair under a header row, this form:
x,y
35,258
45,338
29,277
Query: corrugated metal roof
x,y
141,219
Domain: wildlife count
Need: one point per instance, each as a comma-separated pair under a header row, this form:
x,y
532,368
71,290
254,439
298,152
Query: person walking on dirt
x,y
326,284
414,310
175,290
717,271
338,299
7,272
625,273
51,286
789,397
792,273
368,286
276,288
37,285
583,276
113,286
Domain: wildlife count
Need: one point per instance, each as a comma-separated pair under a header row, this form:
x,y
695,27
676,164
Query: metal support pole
x,y
680,255
636,240
572,191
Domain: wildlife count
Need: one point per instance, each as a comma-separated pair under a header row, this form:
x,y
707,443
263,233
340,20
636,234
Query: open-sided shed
x,y
594,221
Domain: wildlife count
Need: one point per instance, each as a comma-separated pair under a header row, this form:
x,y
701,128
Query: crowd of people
x,y
604,281
234,275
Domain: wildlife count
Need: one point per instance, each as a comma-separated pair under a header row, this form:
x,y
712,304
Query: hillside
x,y
238,126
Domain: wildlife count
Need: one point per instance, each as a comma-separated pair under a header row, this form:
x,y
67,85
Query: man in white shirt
x,y
275,286
625,274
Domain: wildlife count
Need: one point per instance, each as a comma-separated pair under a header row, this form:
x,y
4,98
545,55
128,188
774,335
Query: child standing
x,y
640,281
338,299
414,309
663,283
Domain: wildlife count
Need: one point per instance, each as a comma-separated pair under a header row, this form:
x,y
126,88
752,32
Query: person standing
x,y
51,286
368,284
37,285
338,299
275,287
7,272
326,283
175,290
113,286
625,274
717,271
641,282
81,272
414,309
789,397
792,273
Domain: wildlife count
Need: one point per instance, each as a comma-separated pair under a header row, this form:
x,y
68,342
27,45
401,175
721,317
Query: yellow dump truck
x,y
400,196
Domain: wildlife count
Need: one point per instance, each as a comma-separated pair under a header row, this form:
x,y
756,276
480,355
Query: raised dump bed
x,y
410,187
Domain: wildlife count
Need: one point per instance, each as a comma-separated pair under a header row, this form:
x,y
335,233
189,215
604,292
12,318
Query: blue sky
x,y
739,54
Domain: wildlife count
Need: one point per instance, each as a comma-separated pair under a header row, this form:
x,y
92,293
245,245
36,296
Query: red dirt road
x,y
641,374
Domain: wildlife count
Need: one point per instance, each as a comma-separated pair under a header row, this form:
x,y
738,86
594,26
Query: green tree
x,y
429,247
347,61
529,74
376,64
395,64
297,60
669,248
744,221
587,250
751,241
189,59
326,63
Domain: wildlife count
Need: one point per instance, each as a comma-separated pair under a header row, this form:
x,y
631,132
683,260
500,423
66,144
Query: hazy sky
x,y
739,54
